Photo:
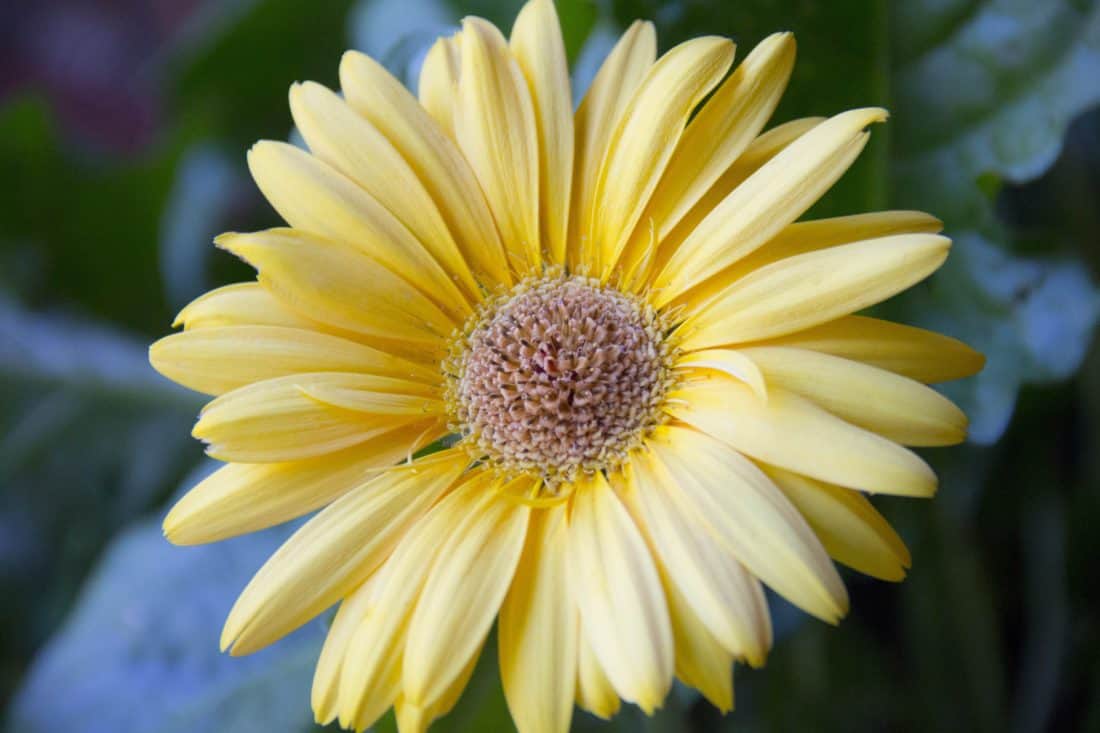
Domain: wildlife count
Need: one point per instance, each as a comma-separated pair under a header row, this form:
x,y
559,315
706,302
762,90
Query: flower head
x,y
646,386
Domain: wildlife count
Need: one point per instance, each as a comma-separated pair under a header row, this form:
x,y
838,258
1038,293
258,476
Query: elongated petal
x,y
371,677
339,136
754,520
374,93
276,420
374,396
537,634
725,598
594,691
220,359
412,718
438,85
727,361
336,551
722,130
328,281
772,197
461,598
619,594
246,497
495,125
643,142
895,407
701,661
313,197
810,236
596,120
240,304
851,530
540,51
912,352
353,611
806,290
792,433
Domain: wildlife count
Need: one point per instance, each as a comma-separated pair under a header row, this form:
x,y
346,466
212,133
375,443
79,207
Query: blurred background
x,y
123,127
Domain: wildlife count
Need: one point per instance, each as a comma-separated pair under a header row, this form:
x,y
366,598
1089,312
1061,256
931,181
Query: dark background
x,y
123,127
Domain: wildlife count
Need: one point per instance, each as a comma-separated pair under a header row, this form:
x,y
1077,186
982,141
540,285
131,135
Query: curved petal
x,y
412,718
325,280
461,597
772,197
246,497
596,119
220,359
371,678
701,662
540,51
383,100
277,420
725,598
353,611
809,289
727,361
594,691
619,594
496,128
793,433
537,633
895,407
911,352
339,136
851,530
438,85
336,550
752,517
313,197
240,304
643,142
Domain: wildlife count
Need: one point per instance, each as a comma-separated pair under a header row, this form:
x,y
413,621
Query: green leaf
x,y
139,654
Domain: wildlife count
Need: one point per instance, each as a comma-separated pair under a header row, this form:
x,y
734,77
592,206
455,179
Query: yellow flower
x,y
650,388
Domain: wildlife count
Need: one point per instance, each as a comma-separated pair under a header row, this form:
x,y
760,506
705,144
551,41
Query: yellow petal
x,y
373,395
461,598
851,530
643,142
327,281
596,119
806,290
412,718
724,597
540,51
277,420
240,304
762,149
353,610
792,433
701,662
371,677
753,519
314,198
772,197
339,136
912,352
336,550
383,100
727,361
220,359
495,126
722,130
810,236
895,407
619,595
594,691
438,83
246,497
537,634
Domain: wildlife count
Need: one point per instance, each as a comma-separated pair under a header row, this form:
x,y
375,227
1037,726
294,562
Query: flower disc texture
x,y
581,373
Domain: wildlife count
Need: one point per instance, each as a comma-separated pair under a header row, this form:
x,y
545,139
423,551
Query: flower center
x,y
559,376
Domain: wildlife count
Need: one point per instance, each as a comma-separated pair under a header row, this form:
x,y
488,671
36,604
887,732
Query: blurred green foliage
x,y
105,627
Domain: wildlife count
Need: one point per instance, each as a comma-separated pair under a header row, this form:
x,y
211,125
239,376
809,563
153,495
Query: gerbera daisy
x,y
643,386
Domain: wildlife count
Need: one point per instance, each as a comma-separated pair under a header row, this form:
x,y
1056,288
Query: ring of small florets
x,y
557,377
